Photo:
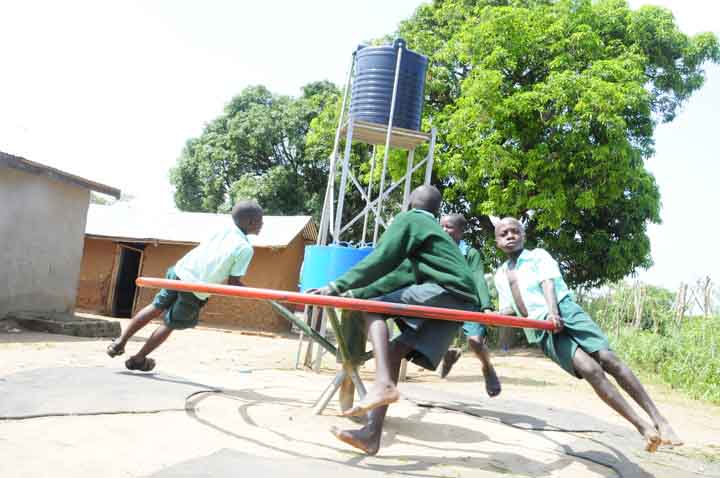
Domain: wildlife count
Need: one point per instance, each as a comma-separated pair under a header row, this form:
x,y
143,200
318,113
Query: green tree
x,y
278,190
105,200
619,304
546,111
256,148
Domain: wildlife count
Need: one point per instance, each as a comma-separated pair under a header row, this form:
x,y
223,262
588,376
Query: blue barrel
x,y
323,264
373,80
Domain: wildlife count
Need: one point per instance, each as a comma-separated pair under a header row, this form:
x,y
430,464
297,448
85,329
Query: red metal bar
x,y
386,308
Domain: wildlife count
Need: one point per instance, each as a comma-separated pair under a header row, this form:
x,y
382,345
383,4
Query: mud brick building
x,y
123,242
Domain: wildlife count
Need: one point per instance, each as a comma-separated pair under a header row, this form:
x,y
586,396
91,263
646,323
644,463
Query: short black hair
x,y
457,220
244,210
427,198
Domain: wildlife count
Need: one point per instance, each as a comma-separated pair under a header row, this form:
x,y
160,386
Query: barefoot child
x,y
401,277
439,277
225,256
529,284
454,225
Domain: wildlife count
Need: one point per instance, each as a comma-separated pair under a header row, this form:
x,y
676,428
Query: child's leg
x,y
140,320
591,371
164,299
625,377
449,359
454,353
383,391
368,437
479,347
158,337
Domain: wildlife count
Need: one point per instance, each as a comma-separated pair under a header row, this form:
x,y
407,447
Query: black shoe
x,y
114,349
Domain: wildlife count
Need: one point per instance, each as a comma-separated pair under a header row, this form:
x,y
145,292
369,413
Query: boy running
x,y
225,256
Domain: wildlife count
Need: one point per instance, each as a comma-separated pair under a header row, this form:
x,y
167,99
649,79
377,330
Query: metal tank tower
x,y
385,91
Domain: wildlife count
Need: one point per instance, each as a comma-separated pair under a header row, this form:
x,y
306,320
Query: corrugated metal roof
x,y
310,232
133,224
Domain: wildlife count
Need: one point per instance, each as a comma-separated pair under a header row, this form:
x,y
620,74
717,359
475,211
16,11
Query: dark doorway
x,y
127,271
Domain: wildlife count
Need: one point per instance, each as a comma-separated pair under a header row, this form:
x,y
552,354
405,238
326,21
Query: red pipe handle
x,y
385,308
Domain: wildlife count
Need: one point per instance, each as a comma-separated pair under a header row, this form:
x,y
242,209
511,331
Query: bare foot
x,y
492,382
361,439
360,419
449,359
652,439
668,435
377,397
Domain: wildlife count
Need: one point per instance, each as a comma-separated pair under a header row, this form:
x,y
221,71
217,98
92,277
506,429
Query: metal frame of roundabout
x,y
408,71
329,304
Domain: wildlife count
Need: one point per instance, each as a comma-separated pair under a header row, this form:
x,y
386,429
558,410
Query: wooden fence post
x,y
707,296
681,303
639,296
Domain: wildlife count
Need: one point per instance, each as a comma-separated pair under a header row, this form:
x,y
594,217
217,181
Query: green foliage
x,y
319,144
546,111
278,190
688,359
105,200
102,199
641,306
683,354
257,147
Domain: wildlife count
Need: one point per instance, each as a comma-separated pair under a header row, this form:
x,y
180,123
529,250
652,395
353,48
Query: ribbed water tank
x,y
373,81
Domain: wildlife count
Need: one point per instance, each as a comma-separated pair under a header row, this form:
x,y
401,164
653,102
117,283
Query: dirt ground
x,y
269,416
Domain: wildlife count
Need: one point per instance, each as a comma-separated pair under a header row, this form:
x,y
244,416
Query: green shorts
x,y
474,329
579,331
182,309
429,338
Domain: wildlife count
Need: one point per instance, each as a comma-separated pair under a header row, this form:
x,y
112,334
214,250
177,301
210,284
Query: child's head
x,y
248,216
509,235
427,198
454,225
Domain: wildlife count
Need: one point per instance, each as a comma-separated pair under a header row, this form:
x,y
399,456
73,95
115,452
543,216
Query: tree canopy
x,y
256,148
546,112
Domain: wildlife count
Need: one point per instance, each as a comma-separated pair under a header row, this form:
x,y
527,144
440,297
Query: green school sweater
x,y
433,256
475,263
403,277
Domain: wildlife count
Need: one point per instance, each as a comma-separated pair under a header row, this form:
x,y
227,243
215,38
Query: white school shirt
x,y
532,268
226,253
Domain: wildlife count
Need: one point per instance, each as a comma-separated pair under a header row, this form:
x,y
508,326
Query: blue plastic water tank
x,y
373,80
323,264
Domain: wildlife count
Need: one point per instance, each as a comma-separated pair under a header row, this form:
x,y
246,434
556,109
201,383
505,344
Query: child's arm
x,y
548,287
243,256
505,301
395,246
402,276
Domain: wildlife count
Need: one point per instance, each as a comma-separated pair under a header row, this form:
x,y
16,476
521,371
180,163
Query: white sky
x,y
111,91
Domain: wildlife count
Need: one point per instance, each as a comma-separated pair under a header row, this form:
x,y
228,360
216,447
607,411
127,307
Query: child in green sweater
x,y
439,277
454,225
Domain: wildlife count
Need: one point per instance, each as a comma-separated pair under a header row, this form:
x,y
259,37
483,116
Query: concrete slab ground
x,y
232,404
79,325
